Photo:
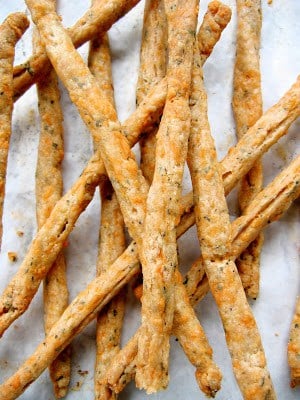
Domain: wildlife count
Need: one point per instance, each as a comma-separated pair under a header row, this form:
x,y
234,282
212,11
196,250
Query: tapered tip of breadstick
x,y
18,22
209,380
224,12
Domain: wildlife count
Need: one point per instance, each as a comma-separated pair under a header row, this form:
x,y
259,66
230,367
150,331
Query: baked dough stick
x,y
247,109
294,347
48,189
100,291
97,20
266,207
213,228
50,239
111,238
159,249
10,32
152,70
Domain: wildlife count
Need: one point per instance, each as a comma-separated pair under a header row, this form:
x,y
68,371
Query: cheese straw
x,y
11,31
49,187
247,108
152,70
159,246
111,238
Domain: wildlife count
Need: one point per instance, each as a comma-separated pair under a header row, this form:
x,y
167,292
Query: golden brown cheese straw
x,y
101,290
152,70
271,203
10,32
213,228
294,347
49,240
159,248
96,21
247,109
111,238
49,187
267,207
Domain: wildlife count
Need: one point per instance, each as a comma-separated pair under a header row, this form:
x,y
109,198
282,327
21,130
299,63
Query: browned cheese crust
x,y
49,187
111,238
159,250
10,32
213,228
152,70
294,347
96,21
247,109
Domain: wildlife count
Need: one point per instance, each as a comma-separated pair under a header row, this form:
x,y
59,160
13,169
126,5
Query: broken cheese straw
x,y
247,109
267,207
152,70
49,187
213,229
101,290
293,350
96,21
111,237
159,246
51,237
11,31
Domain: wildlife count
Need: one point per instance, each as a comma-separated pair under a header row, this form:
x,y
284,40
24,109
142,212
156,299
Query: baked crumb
x,y
12,256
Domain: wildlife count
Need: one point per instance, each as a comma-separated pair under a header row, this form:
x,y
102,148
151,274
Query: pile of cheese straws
x,y
172,116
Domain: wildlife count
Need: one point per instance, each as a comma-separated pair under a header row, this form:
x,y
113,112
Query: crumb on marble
x,y
20,233
12,256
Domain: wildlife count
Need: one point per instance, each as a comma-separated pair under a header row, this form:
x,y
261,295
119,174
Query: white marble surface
x,y
280,272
